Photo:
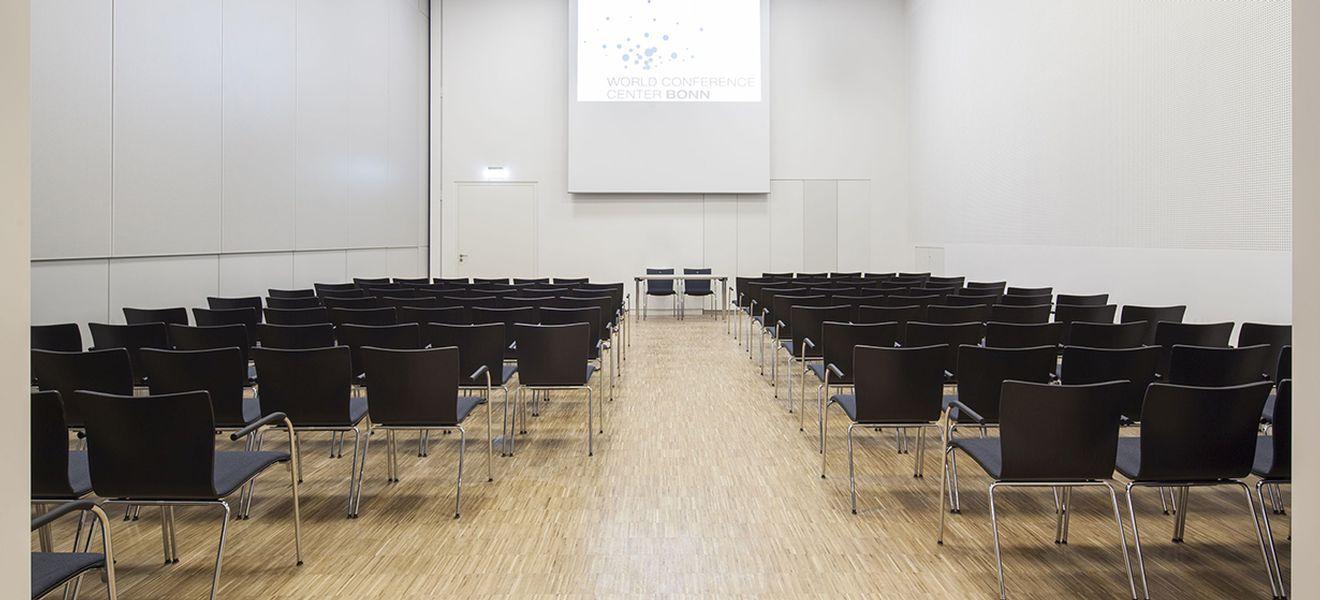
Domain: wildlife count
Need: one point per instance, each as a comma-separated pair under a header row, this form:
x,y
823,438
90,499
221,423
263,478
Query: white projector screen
x,y
668,96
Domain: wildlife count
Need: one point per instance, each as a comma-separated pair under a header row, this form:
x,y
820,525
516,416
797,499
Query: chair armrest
x,y
483,369
513,345
835,370
779,323
60,511
962,408
255,425
600,344
806,341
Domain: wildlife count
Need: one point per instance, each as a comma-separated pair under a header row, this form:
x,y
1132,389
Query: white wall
x,y
1136,147
837,93
192,149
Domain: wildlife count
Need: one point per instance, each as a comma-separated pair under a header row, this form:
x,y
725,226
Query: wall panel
x,y
854,229
253,274
322,127
753,235
161,283
74,291
820,226
785,203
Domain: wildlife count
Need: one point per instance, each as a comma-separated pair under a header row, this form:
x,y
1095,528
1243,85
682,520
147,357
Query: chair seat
x,y
466,404
591,370
80,478
51,569
233,469
817,369
1129,457
788,345
660,292
1267,414
985,451
848,402
1264,464
509,370
698,292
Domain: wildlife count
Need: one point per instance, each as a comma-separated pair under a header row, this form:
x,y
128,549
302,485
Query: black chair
x,y
986,300
296,337
1151,315
160,451
530,280
252,302
107,371
132,338
1053,436
699,288
455,281
661,288
490,281
955,281
58,474
418,301
950,315
1276,336
1284,368
479,346
1025,315
334,287
357,303
1207,335
413,314
894,388
139,316
363,316
879,276
779,321
920,334
221,372
1105,335
61,337
1071,313
418,390
571,280
341,294
411,280
1136,367
804,346
315,389
297,316
1082,299
836,369
1273,465
913,299
392,337
1022,335
291,303
247,318
1026,291
1194,437
508,317
995,286
212,338
554,357
1218,367
51,570
845,275
1021,300
590,315
370,281
289,294
902,315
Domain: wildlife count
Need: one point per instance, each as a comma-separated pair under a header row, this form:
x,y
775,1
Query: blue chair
x,y
700,288
661,287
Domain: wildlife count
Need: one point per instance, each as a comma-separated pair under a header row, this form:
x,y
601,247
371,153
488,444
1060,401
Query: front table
x,y
723,282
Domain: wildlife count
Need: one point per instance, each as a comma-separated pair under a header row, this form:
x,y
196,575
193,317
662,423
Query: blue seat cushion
x,y
233,469
817,369
1264,464
466,404
80,478
51,569
848,402
509,370
985,451
1129,457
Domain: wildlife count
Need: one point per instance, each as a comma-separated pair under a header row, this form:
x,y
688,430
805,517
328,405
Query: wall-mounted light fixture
x,y
495,173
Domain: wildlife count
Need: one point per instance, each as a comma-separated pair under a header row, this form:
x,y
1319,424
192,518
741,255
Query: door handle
x,y
461,257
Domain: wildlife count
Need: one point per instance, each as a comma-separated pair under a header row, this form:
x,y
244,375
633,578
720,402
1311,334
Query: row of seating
x,y
1058,404
159,449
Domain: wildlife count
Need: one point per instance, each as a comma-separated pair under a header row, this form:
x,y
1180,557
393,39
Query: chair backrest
x,y
1191,433
1152,315
1026,315
289,294
150,447
552,355
983,371
248,318
334,287
478,345
697,286
49,447
61,337
589,315
1072,313
659,286
95,370
341,294
252,302
1082,299
1023,300
603,302
1134,366
363,316
297,316
490,281
312,387
1059,432
1284,368
995,286
360,303
1029,291
845,275
956,281
296,337
837,341
395,337
901,315
986,300
570,280
1022,335
778,276
899,384
879,276
1206,335
782,309
287,303
138,316
211,338
1281,419
380,291
221,373
370,281
460,281
808,322
1218,367
1105,335
412,300
411,280
949,315
508,317
531,280
1276,336
912,299
422,316
413,387
920,333
132,338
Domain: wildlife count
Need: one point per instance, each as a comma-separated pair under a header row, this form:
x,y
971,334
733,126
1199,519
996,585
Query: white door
x,y
497,229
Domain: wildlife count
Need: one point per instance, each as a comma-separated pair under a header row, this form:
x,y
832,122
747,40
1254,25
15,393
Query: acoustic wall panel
x,y
404,262
253,274
166,126
820,225
854,231
368,47
319,267
368,263
71,128
259,94
786,234
753,235
322,127
405,88
72,291
161,283
720,244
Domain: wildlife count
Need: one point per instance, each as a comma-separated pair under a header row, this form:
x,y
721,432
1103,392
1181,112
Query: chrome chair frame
x,y
1276,500
520,400
358,466
74,583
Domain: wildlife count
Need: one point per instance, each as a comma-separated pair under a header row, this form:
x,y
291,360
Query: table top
x,y
680,277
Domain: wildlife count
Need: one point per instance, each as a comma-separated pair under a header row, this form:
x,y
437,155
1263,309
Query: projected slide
x,y
669,51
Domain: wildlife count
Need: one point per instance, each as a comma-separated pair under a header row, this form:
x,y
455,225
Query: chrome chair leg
x,y
944,497
1281,591
824,424
994,529
852,474
1136,540
591,427
458,492
219,553
1260,537
1122,539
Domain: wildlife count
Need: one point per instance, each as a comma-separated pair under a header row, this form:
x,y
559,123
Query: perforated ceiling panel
x,y
1134,123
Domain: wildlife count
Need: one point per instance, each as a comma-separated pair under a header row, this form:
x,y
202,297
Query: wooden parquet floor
x,y
702,485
